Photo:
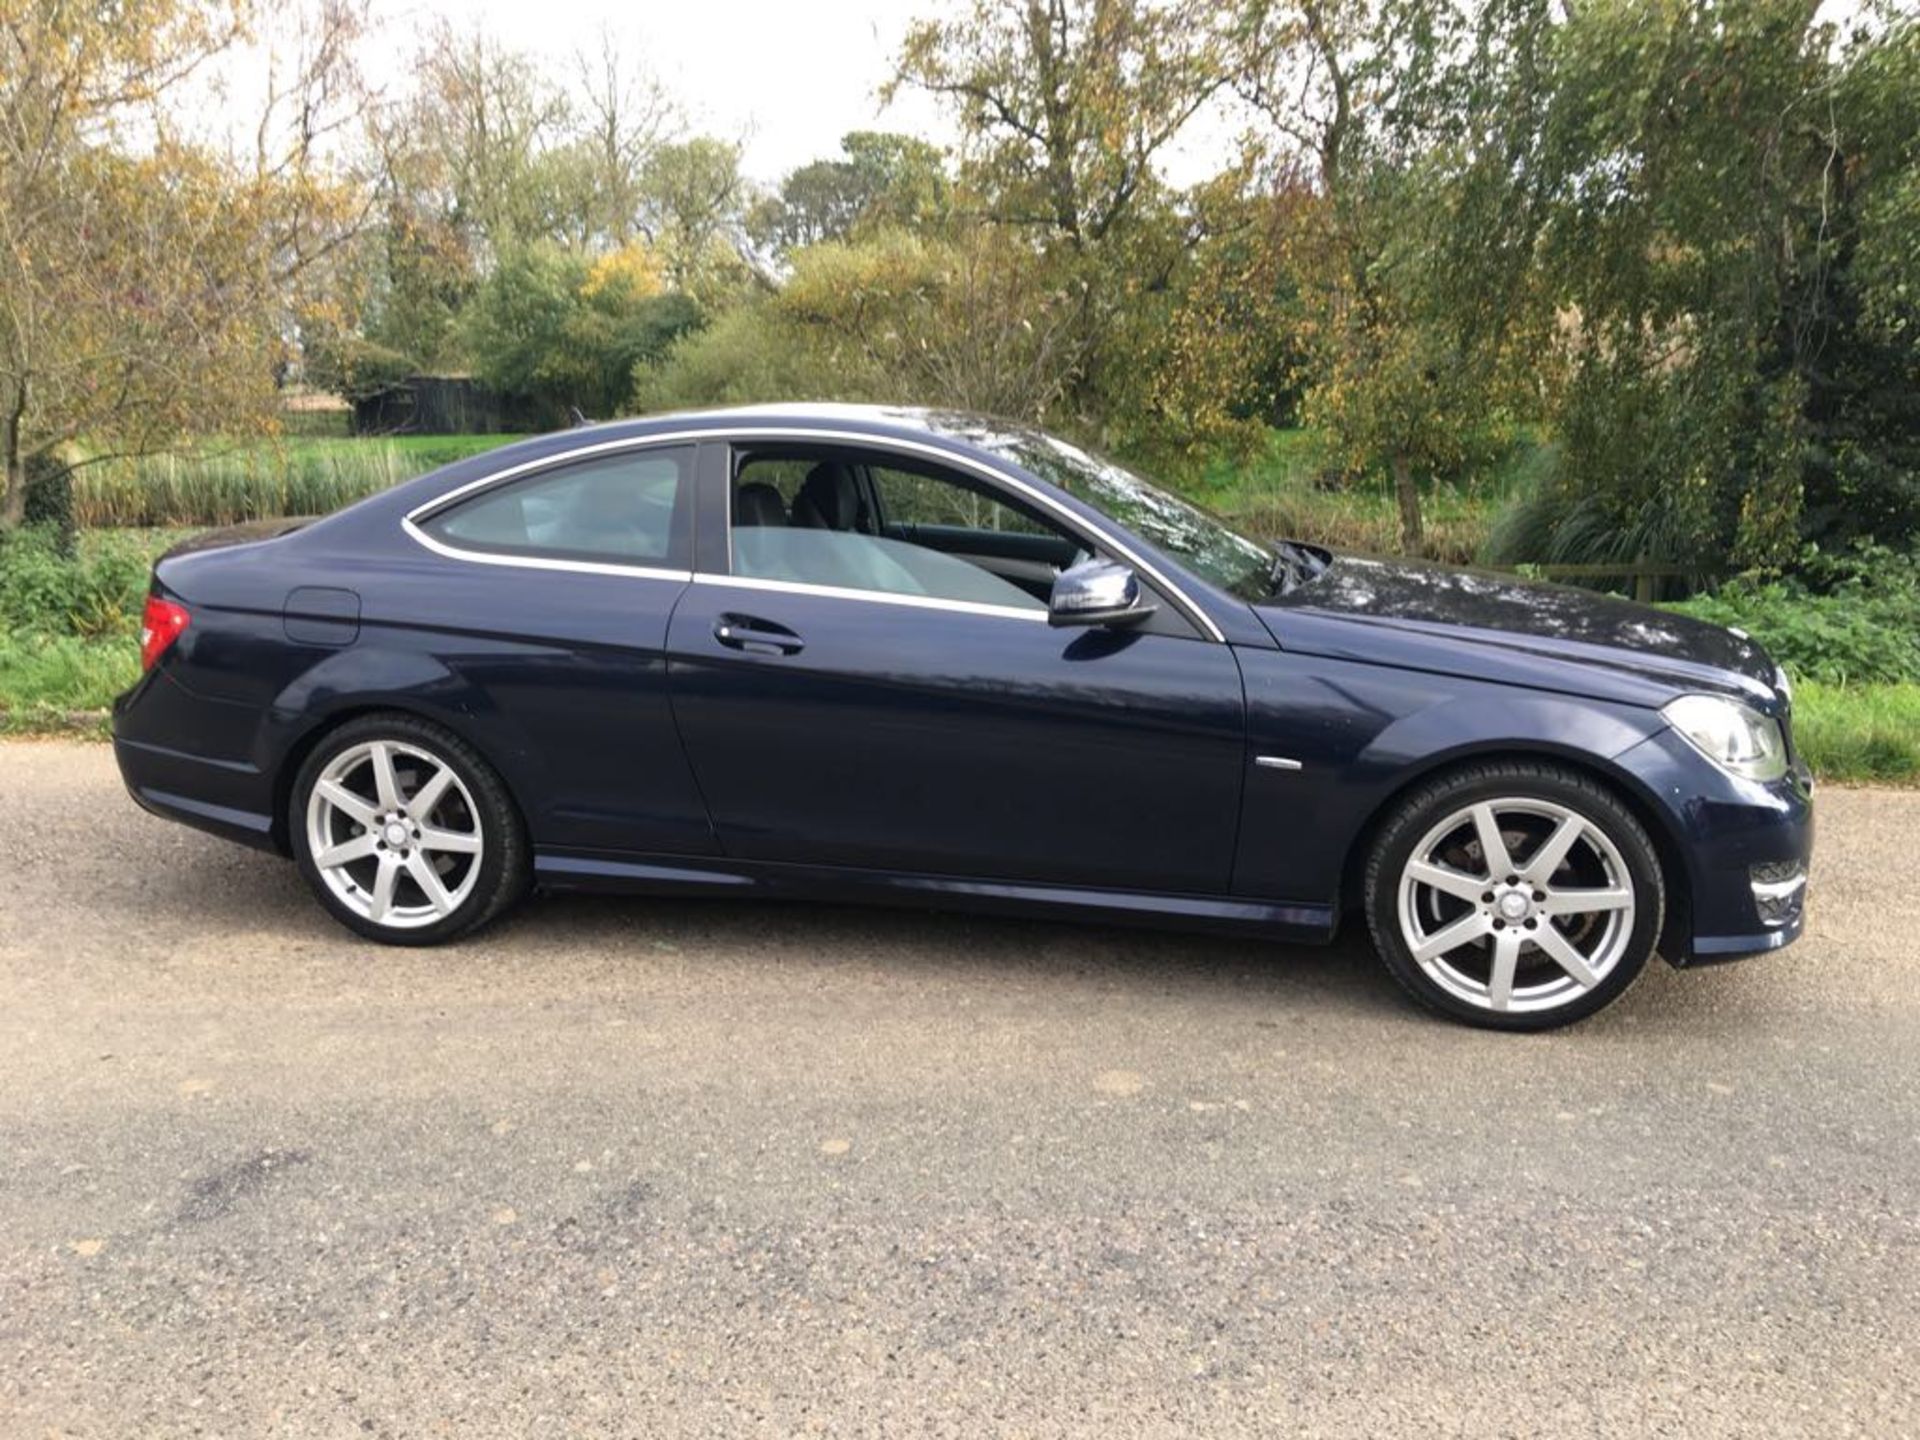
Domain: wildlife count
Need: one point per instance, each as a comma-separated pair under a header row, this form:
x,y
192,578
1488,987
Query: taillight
x,y
160,626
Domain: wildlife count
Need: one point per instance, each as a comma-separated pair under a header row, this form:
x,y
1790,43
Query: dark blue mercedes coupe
x,y
939,660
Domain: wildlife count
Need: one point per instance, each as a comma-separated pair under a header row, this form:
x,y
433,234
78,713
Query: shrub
x,y
1864,628
49,496
97,590
353,368
747,356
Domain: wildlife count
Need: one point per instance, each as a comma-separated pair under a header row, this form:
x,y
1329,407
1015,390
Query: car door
x,y
545,600
848,698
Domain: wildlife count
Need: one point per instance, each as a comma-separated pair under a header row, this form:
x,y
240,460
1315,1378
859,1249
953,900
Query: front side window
x,y
908,499
854,522
628,509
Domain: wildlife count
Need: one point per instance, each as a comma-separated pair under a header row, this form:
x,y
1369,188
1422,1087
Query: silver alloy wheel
x,y
394,834
1516,904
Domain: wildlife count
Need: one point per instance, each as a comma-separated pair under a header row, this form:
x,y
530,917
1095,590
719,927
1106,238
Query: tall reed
x,y
226,487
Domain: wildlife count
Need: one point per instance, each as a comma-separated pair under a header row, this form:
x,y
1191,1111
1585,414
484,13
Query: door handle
x,y
755,636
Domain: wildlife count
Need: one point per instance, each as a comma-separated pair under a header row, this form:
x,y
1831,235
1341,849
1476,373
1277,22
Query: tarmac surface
x,y
625,1167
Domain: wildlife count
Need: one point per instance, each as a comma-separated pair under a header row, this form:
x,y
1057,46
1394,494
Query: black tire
x,y
1432,804
503,868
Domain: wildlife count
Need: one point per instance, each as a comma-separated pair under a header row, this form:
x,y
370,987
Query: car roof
x,y
960,427
983,438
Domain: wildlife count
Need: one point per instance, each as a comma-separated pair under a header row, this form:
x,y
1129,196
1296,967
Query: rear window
x,y
623,509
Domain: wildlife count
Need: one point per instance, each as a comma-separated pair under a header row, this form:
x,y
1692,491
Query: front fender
x,y
1463,723
1361,733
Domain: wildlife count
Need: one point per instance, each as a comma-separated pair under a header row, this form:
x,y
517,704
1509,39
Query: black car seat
x,y
829,499
758,503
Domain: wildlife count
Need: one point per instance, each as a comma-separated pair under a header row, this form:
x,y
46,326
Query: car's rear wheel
x,y
1518,896
405,834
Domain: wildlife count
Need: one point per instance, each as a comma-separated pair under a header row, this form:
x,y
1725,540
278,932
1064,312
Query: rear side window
x,y
630,509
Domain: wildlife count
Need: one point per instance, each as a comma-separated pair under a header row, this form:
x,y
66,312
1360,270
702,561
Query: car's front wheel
x,y
405,834
1518,895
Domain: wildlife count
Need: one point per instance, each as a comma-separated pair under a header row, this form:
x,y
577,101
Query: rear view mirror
x,y
1096,592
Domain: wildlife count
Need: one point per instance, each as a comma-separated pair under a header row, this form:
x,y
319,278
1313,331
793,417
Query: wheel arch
x,y
296,750
1676,926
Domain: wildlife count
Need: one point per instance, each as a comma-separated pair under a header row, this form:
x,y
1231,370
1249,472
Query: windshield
x,y
1202,543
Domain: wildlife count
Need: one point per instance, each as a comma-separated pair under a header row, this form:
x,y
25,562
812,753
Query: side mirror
x,y
1096,592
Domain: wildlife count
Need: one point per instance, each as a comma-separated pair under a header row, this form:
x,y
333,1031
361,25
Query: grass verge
x,y
1864,734
52,684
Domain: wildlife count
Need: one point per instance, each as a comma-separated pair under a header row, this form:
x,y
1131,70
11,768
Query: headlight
x,y
1736,737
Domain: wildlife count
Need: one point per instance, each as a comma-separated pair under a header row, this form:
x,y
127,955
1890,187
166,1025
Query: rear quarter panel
x,y
558,679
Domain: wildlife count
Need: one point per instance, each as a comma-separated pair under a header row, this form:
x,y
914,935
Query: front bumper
x,y
1746,849
1782,910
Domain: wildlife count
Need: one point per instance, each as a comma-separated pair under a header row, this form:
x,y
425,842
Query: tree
x,y
961,320
819,201
905,179
1729,236
622,116
1216,352
694,201
551,327
145,290
1067,107
880,179
1412,262
1069,102
486,115
965,320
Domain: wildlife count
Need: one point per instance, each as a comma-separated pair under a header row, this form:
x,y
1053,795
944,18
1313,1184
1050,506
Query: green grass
x,y
1290,492
44,679
1859,733
298,476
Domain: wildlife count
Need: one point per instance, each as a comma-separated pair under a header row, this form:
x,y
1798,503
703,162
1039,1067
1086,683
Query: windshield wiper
x,y
1295,565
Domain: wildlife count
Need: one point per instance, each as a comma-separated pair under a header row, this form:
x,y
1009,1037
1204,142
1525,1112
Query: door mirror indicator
x,y
1096,592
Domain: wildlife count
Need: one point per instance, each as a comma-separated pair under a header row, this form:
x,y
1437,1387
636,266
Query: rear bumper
x,y
229,798
1747,849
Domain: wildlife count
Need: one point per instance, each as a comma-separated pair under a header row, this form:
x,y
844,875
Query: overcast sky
x,y
788,78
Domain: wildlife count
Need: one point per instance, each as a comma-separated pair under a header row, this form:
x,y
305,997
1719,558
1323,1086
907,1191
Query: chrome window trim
x,y
730,433
1073,522
544,562
410,522
880,597
548,462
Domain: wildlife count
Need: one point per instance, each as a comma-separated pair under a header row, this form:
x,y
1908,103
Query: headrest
x,y
758,503
828,499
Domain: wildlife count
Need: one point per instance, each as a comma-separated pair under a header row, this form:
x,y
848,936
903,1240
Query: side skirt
x,y
739,879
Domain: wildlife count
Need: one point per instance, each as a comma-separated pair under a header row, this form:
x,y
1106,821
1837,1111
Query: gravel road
x,y
640,1168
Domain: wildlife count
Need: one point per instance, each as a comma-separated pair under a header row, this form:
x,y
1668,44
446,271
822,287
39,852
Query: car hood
x,y
1493,626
